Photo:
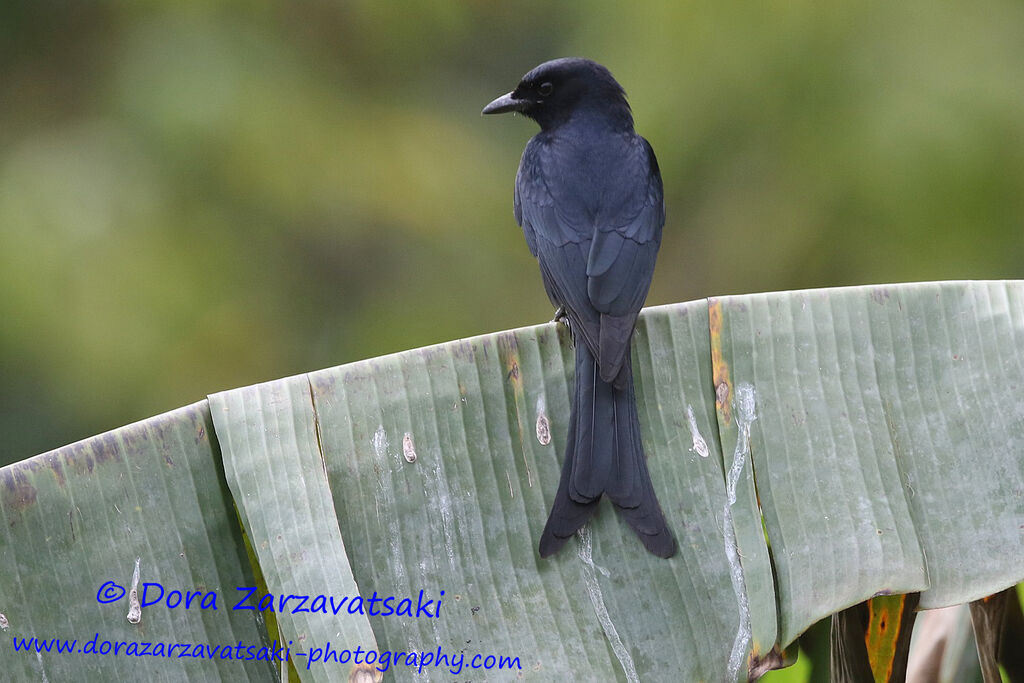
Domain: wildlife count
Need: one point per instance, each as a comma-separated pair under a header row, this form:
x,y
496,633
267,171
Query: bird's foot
x,y
560,316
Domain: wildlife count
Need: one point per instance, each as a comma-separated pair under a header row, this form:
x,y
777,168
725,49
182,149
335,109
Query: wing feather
x,y
595,262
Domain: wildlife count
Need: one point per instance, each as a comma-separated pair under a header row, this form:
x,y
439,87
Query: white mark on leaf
x,y
380,442
700,446
444,504
134,609
408,450
543,424
384,497
597,600
745,416
42,670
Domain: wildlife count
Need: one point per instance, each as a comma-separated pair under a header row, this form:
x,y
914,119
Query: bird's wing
x,y
599,267
529,198
559,236
620,263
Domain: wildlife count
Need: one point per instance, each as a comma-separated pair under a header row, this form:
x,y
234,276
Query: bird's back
x,y
595,179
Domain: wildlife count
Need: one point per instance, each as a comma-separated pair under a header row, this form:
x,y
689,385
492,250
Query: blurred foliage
x,y
196,196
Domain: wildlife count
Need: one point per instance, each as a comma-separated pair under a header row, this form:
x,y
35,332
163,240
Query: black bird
x,y
589,199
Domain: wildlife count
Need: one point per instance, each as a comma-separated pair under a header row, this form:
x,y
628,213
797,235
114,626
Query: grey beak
x,y
504,104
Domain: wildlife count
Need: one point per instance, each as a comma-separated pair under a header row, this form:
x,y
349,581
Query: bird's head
x,y
555,91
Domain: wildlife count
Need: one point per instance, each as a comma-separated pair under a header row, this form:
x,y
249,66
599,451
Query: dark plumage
x,y
589,199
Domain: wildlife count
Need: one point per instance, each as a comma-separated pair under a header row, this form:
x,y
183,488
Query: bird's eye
x,y
545,88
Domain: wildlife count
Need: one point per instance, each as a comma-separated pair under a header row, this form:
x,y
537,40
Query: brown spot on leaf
x,y
55,465
18,492
364,673
719,368
106,448
79,457
760,664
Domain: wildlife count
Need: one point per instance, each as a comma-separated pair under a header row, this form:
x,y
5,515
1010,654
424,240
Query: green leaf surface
x,y
75,518
750,565
442,462
810,449
276,473
888,441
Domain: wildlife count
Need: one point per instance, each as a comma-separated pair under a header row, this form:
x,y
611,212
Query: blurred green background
x,y
196,196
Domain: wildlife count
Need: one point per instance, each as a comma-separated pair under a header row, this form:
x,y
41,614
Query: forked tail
x,y
604,455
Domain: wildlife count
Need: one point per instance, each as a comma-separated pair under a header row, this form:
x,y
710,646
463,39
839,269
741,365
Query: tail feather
x,y
604,455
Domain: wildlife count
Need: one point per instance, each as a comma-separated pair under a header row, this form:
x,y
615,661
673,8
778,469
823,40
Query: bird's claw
x,y
560,316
